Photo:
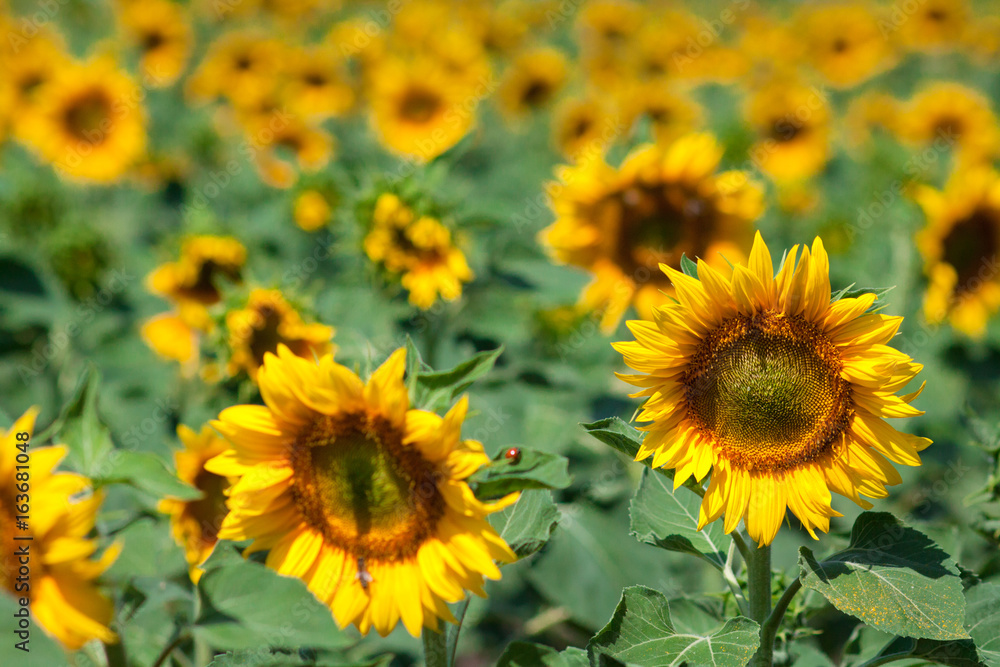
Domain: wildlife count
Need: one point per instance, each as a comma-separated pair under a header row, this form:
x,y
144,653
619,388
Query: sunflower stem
x,y
759,585
436,647
729,574
115,654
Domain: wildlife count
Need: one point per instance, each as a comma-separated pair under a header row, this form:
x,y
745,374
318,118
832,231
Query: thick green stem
x,y
759,585
436,647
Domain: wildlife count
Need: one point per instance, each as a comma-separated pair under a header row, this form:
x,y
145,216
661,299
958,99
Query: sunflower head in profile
x,y
266,322
89,122
871,112
194,277
661,203
778,392
160,31
357,494
947,114
936,25
418,249
312,210
960,244
64,599
793,124
195,523
844,43
532,81
418,109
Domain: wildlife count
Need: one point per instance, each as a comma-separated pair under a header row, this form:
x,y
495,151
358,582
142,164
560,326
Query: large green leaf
x,y
263,657
145,471
42,649
641,632
627,439
531,470
983,621
437,390
669,520
893,578
527,525
246,605
80,428
525,654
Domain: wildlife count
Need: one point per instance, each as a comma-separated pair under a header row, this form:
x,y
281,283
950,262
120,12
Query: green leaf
x,y
247,605
627,439
956,653
534,470
689,267
669,520
44,650
892,577
982,618
641,632
525,654
146,472
80,428
528,524
437,390
852,292
263,657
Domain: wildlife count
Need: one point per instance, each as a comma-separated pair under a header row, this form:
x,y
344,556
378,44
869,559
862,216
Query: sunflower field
x,y
458,333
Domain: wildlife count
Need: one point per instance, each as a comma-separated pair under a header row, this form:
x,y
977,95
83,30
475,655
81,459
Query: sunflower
x,y
318,84
62,594
241,66
275,140
871,111
418,109
793,121
844,43
28,70
960,244
982,40
954,114
89,121
311,211
359,496
608,24
663,202
417,248
266,322
191,284
671,112
195,524
935,25
532,81
778,392
582,126
160,30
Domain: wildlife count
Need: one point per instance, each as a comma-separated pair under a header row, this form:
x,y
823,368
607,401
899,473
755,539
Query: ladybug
x,y
513,455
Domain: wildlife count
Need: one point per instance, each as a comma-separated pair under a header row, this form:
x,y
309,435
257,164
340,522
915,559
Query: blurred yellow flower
x,y
63,598
664,201
843,42
312,211
358,495
195,524
241,65
27,69
88,121
583,126
948,115
960,244
793,121
266,322
779,393
931,25
160,30
531,81
871,111
418,249
318,83
671,113
276,137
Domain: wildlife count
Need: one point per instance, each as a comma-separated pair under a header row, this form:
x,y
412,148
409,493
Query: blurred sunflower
x,y
419,110
311,211
417,248
62,594
160,30
582,126
319,84
955,115
662,203
871,111
240,65
607,24
195,524
27,70
935,25
359,496
88,121
671,112
793,121
778,392
531,81
190,284
277,143
843,43
960,244
265,322
982,40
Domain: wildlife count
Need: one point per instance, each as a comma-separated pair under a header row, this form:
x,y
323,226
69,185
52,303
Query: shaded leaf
x,y
144,471
534,470
983,621
688,267
641,632
79,427
892,577
525,654
528,524
437,390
